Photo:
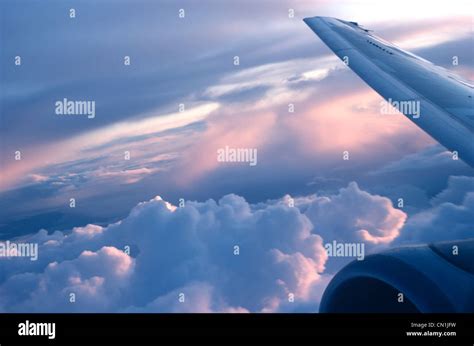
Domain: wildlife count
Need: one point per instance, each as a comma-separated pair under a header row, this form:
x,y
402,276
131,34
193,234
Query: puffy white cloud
x,y
450,218
95,278
191,249
225,255
355,215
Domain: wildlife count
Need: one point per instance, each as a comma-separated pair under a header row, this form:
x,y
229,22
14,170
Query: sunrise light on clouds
x,y
153,143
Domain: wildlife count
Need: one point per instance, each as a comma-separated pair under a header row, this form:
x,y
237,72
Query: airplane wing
x,y
435,99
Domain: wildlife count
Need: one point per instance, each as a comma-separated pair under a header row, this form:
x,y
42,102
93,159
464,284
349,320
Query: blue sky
x,y
190,61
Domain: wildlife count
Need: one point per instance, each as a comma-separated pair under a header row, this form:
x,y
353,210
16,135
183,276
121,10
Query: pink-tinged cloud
x,y
352,122
161,254
235,130
100,142
354,215
319,131
428,32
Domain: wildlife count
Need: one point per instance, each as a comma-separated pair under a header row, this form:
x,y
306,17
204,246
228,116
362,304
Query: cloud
x,y
421,35
184,259
418,177
226,255
236,130
282,62
188,250
201,294
450,218
355,215
96,278
278,75
100,143
432,156
456,191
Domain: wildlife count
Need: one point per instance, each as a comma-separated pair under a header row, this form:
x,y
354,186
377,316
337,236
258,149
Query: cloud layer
x,y
221,256
225,255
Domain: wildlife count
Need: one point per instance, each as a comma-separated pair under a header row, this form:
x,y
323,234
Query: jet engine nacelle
x,y
428,278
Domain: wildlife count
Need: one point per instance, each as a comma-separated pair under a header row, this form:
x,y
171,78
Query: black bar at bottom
x,y
290,329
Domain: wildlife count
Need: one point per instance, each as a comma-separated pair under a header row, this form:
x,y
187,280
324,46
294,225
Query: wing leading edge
x,y
435,99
